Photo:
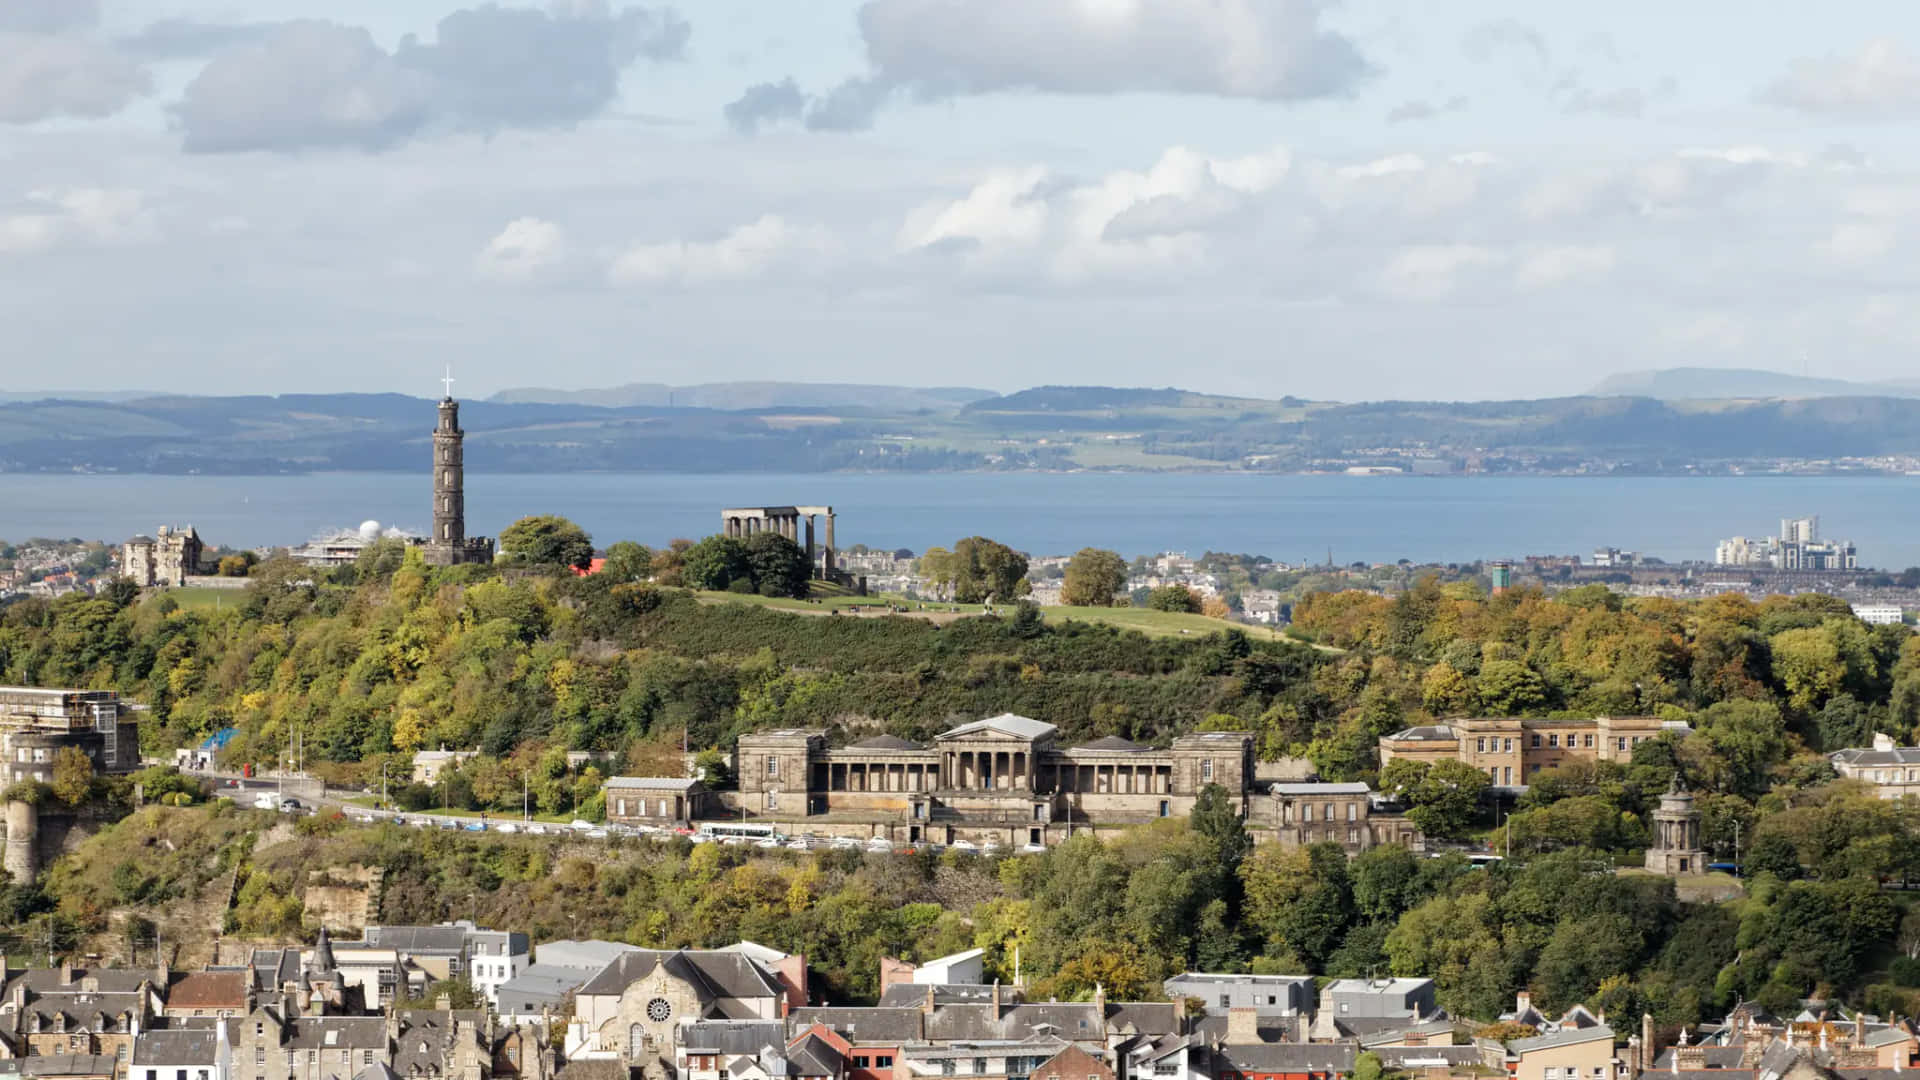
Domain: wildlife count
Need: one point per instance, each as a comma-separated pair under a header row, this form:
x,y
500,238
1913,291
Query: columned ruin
x,y
796,523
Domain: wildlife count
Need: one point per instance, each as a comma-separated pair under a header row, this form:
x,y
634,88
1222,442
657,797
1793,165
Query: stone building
x,y
165,559
671,801
633,1009
53,1011
1304,814
1893,770
1005,778
37,723
1510,749
450,545
1676,834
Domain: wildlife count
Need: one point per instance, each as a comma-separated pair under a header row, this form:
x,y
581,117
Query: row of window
x,y
1327,812
1572,1072
1575,740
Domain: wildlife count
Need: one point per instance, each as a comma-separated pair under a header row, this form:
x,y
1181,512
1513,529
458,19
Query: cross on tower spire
x,y
448,381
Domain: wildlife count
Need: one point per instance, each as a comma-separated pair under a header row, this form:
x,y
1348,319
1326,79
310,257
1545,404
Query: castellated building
x,y
166,559
450,545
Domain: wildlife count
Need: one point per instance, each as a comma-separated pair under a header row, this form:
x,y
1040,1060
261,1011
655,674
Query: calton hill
x,y
528,660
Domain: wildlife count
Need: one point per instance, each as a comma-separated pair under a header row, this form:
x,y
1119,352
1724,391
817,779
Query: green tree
x,y
1216,817
627,562
547,540
987,571
1174,597
1509,688
1094,577
716,563
1367,1066
72,775
1445,798
777,565
237,564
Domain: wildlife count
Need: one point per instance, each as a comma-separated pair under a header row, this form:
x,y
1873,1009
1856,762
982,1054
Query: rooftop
x,y
1019,727
1315,788
653,783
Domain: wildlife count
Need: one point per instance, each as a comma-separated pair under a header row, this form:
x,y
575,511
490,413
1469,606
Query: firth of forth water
x,y
1291,518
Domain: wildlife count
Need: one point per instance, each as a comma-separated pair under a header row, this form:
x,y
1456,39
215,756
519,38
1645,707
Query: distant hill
x,y
747,396
9,396
1692,383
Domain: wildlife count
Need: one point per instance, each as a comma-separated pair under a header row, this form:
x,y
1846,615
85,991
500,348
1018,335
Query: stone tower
x,y
449,543
1676,834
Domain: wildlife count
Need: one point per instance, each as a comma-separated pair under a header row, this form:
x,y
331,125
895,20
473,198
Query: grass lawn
x,y
1155,623
204,599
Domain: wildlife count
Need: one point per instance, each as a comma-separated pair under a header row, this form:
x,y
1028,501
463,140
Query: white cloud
x,y
1882,78
44,76
1856,242
748,251
1386,166
1748,155
1000,210
1434,271
526,247
52,219
1556,265
929,50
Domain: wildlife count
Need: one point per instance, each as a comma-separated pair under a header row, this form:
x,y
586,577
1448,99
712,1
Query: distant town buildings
x,y
342,547
167,558
1797,547
1879,614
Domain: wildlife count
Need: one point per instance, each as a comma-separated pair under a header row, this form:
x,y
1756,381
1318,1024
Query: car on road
x,y
290,806
537,830
476,826
596,834
506,827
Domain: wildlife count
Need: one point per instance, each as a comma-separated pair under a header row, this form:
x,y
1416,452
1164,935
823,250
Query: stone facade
x,y
1303,814
1510,749
36,723
450,545
168,558
656,800
1004,778
1894,771
1676,835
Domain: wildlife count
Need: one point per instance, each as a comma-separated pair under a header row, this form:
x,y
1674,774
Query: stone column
x,y
831,549
809,544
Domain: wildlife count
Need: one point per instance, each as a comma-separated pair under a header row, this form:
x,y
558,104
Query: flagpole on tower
x,y
448,382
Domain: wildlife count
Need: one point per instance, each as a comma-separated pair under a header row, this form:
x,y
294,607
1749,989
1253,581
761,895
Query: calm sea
x,y
1444,519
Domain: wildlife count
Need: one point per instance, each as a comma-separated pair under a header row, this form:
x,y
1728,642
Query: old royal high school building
x,y
1005,779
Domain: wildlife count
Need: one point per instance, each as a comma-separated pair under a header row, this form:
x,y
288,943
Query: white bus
x,y
734,830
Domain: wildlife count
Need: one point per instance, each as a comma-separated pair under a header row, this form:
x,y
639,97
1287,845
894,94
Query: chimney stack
x,y
996,1000
1648,1052
928,1007
1100,1001
1522,1002
1243,1027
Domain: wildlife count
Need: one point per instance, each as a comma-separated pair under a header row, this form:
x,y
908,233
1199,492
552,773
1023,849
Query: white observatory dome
x,y
369,530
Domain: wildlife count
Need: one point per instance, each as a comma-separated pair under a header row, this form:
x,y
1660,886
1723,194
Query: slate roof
x,y
653,783
860,1024
336,1033
1564,1037
747,1037
716,975
914,995
428,1036
448,940
1020,727
1318,789
68,1065
592,954
1424,733
1290,1057
813,1056
176,1047
1716,1057
1113,744
1415,1057
886,742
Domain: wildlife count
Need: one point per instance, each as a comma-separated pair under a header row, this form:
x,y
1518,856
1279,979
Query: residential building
x,y
201,1053
1510,749
1893,770
1355,1007
1879,614
429,764
37,723
390,957
1347,814
71,1011
1570,1053
1266,995
664,801
1282,1061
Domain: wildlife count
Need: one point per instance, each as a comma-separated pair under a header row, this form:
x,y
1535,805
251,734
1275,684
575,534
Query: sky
x,y
1360,200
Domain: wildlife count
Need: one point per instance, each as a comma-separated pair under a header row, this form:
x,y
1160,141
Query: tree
x,y
985,571
1509,688
1094,577
1367,1066
237,564
1442,798
627,562
1445,690
777,565
1174,598
1215,817
547,540
72,775
716,563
